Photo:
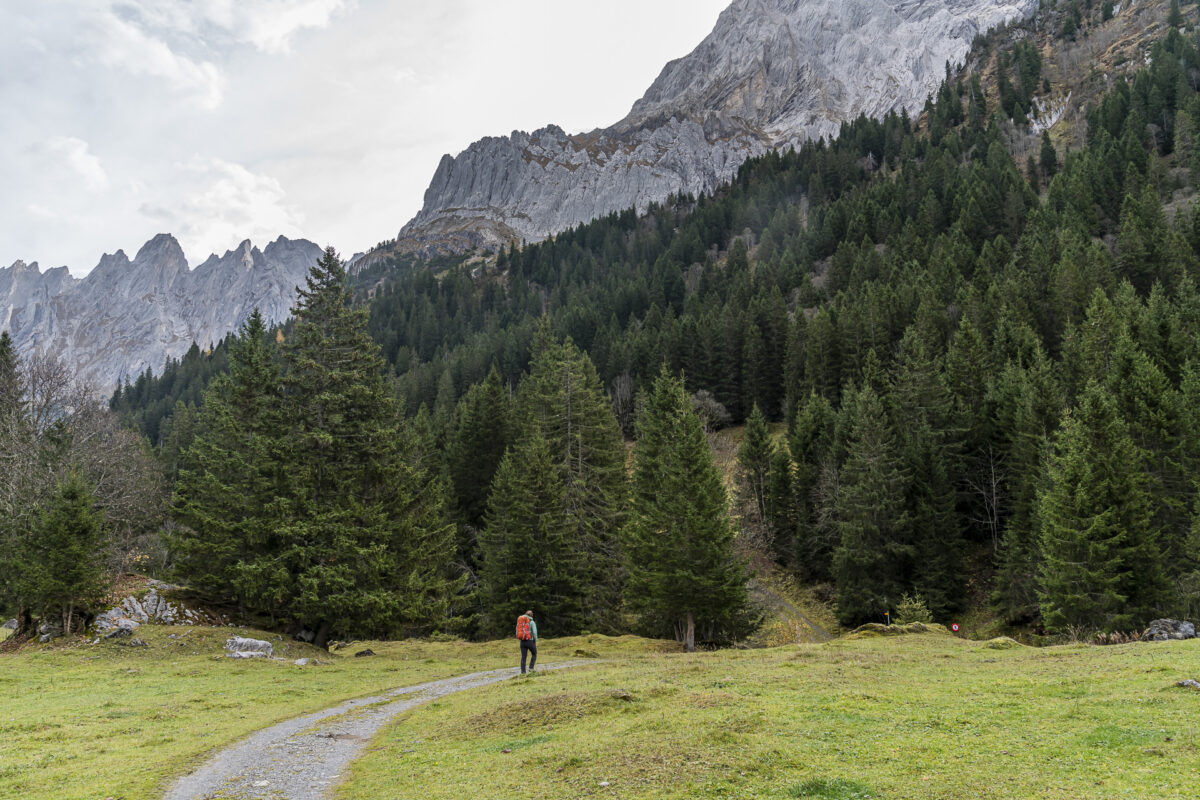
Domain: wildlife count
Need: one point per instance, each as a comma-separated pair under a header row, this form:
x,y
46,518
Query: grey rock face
x,y
1163,630
10,625
772,73
127,316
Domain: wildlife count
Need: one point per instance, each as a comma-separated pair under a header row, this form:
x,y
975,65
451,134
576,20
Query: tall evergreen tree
x,y
365,545
483,431
875,548
683,571
1101,565
754,463
564,399
229,491
529,558
60,566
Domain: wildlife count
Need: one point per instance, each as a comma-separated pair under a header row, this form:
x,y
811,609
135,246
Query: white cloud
x,y
268,25
228,205
70,155
119,43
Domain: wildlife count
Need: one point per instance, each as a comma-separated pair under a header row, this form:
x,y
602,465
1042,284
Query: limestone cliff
x,y
771,73
127,315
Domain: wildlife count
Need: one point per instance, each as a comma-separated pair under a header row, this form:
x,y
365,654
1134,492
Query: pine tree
x,y
683,571
365,545
875,548
61,569
810,443
1099,555
528,556
11,391
564,398
231,478
754,463
483,431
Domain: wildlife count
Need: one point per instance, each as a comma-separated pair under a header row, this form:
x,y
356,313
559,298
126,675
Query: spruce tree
x,y
754,463
228,496
1100,565
810,443
683,571
875,546
60,563
365,545
564,399
528,555
483,431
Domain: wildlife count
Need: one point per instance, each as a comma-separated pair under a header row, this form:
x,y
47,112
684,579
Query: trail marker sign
x,y
954,627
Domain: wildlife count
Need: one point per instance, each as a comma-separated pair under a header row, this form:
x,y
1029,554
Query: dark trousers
x,y
528,647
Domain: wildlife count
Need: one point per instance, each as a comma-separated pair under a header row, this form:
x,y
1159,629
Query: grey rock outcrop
x,y
772,73
1163,630
48,631
126,316
240,647
151,609
10,625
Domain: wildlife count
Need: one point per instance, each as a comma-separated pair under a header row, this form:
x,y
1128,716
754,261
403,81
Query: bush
x,y
912,608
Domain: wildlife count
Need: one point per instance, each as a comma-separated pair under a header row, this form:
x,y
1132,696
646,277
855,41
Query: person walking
x,y
527,634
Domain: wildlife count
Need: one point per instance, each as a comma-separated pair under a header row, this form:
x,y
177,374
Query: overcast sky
x,y
222,120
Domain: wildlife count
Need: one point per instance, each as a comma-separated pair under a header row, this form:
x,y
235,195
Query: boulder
x,y
239,647
305,636
1163,630
49,630
364,653
10,625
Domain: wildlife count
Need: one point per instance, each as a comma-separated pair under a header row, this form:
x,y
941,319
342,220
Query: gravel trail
x,y
303,758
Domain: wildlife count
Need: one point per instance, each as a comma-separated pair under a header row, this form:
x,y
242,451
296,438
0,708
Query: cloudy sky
x,y
221,120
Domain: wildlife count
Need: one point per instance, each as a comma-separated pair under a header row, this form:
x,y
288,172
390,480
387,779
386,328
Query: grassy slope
x,y
111,721
924,716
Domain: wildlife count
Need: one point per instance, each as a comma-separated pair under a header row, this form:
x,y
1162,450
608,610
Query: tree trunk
x,y
322,638
689,636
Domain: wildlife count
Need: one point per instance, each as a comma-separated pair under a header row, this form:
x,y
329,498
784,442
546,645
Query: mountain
x,y
772,73
127,316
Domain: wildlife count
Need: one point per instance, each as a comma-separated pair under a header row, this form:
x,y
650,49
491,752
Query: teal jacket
x,y
532,628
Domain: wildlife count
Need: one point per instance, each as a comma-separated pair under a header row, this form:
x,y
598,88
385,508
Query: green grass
x,y
918,716
83,721
4,634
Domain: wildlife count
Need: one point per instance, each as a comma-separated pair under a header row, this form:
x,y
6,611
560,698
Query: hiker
x,y
527,634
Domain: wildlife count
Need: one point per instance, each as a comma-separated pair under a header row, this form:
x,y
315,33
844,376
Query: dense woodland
x,y
987,373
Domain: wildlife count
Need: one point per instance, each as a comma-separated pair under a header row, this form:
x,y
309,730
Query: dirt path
x,y
303,758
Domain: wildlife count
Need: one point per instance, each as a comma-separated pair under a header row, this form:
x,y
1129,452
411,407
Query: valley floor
x,y
917,716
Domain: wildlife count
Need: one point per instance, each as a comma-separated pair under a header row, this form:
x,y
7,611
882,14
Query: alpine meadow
x,y
831,424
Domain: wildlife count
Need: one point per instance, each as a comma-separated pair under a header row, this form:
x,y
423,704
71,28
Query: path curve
x,y
303,758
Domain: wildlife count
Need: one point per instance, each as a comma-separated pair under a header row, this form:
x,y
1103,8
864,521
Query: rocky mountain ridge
x,y
771,74
126,316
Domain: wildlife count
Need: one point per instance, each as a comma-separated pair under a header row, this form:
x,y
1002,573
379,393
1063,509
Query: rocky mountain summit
x,y
126,316
772,73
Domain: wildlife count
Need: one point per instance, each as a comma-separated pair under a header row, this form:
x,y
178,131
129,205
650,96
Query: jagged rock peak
x,y
126,316
798,68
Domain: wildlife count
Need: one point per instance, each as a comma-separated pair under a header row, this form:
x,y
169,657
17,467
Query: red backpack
x,y
523,631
